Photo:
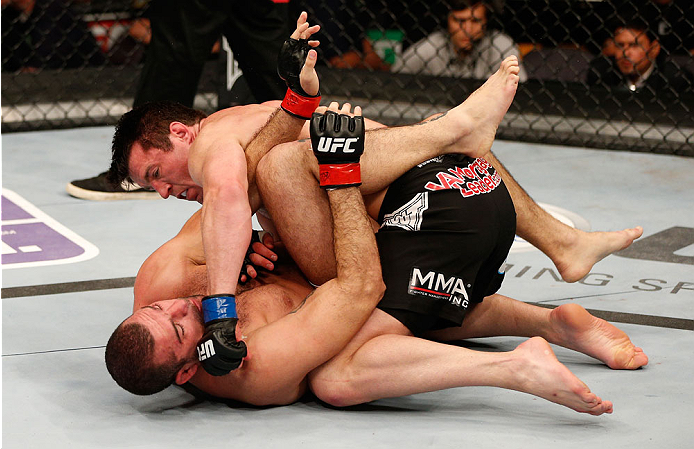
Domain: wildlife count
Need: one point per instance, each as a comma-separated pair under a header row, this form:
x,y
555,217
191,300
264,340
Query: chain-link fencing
x,y
612,74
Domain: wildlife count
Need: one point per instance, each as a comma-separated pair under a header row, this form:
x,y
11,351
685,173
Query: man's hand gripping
x,y
218,350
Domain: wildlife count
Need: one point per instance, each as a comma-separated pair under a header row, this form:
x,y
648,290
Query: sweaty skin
x,y
384,350
365,370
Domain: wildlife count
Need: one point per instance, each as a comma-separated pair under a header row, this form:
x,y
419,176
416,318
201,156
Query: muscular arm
x,y
282,353
177,269
220,167
228,179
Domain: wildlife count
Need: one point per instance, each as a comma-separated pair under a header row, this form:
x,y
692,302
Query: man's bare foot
x,y
541,374
584,249
576,329
480,114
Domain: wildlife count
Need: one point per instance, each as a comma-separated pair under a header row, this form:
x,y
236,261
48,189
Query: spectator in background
x,y
45,34
467,49
183,34
638,63
671,21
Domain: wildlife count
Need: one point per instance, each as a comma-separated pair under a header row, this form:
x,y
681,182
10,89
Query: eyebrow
x,y
148,175
170,320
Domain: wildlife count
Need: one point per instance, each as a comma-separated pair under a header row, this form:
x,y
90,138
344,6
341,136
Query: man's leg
x,y
182,37
384,361
391,152
255,33
573,252
287,176
568,325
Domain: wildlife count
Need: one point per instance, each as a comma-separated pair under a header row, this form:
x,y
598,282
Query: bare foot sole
x,y
480,114
579,330
588,248
541,374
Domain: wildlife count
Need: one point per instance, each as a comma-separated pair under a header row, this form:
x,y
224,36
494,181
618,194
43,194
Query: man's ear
x,y
187,372
654,50
180,131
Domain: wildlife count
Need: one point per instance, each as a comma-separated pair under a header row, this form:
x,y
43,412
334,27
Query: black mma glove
x,y
255,237
289,63
218,350
338,143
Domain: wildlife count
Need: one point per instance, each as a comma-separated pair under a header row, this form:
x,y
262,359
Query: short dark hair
x,y
636,24
459,5
130,361
149,125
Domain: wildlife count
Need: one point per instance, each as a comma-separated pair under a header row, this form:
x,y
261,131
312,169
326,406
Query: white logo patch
x,y
332,144
439,286
410,215
205,350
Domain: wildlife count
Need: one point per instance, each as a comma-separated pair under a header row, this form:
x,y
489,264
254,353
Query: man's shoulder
x,y
496,37
237,123
437,39
674,76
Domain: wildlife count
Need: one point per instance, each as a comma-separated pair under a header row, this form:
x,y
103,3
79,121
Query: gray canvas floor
x,y
57,392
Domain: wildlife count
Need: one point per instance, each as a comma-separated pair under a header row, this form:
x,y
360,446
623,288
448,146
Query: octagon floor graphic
x,y
31,238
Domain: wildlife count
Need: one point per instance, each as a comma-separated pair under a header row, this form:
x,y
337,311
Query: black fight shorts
x,y
446,228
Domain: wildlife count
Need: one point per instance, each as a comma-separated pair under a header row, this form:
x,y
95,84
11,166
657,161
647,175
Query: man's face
x,y
467,26
635,51
176,326
164,171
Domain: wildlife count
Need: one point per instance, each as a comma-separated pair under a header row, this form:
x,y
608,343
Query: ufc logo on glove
x,y
205,350
334,144
338,143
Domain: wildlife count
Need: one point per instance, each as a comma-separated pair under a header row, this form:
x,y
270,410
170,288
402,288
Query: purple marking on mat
x,y
32,238
11,211
53,245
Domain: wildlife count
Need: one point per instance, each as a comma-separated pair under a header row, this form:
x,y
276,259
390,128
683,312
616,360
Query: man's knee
x,y
340,393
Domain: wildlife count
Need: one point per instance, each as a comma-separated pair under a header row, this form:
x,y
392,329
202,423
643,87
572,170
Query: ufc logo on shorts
x,y
333,144
205,350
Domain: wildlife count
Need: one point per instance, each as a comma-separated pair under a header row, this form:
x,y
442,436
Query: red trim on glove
x,y
300,106
340,175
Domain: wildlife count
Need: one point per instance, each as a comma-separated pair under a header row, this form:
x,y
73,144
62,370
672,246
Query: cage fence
x,y
614,74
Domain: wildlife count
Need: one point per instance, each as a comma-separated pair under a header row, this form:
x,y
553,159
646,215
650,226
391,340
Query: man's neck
x,y
463,53
197,127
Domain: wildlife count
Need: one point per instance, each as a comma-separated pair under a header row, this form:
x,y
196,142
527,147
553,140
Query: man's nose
x,y
162,188
468,27
177,309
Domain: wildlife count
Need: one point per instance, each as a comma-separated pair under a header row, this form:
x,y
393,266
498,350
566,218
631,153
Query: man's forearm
x,y
356,252
226,230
